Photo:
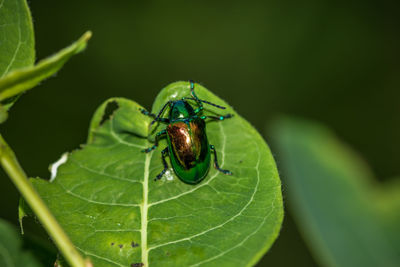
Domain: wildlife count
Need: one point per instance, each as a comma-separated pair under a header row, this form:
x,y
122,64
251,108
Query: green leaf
x,y
3,114
24,79
17,44
23,211
106,199
347,217
11,253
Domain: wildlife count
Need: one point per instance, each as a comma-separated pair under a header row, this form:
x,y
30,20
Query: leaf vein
x,y
120,140
99,257
117,230
97,202
103,173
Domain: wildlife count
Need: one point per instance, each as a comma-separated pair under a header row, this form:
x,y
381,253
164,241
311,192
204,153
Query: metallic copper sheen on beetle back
x,y
189,147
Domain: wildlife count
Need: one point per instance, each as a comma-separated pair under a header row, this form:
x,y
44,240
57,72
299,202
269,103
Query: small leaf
x,y
3,114
106,199
23,211
348,218
17,44
24,79
11,253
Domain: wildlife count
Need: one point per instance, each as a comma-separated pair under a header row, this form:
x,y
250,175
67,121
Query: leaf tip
x,y
22,212
87,35
82,42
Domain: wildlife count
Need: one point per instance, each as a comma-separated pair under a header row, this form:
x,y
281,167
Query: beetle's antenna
x,y
198,100
204,101
212,104
160,113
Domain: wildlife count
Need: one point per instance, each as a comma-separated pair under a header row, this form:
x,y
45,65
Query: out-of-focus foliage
x,y
17,54
348,218
11,253
20,80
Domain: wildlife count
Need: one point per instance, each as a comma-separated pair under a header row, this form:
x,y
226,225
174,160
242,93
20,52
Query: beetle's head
x,y
180,109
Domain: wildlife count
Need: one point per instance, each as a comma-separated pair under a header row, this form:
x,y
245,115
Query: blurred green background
x,y
336,62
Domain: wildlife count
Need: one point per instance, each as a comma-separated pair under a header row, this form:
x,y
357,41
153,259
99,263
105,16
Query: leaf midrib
x,y
144,210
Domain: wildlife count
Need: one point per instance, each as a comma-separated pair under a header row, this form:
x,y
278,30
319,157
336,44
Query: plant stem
x,y
17,175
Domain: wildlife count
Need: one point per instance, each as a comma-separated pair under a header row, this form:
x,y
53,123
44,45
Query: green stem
x,y
19,178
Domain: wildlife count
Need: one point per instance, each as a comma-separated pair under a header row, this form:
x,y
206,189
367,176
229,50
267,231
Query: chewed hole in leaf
x,y
111,107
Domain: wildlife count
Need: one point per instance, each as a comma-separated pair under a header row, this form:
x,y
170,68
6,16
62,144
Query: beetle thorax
x,y
180,110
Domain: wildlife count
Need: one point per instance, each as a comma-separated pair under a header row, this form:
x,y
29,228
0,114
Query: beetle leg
x,y
154,116
212,104
216,165
164,153
204,101
158,136
157,118
218,118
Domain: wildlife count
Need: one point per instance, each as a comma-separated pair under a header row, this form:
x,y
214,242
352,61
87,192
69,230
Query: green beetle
x,y
188,147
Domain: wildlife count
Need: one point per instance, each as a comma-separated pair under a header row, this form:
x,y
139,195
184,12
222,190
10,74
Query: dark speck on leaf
x,y
240,161
133,244
112,244
137,264
120,246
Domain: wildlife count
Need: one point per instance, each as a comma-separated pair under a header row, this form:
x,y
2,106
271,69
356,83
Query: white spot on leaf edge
x,y
55,165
